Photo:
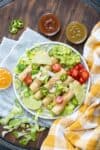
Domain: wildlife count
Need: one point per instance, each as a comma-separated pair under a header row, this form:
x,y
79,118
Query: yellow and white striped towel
x,y
81,130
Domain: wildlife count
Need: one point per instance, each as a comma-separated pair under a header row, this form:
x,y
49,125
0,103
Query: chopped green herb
x,y
74,101
63,77
44,91
59,88
15,25
21,66
13,30
35,69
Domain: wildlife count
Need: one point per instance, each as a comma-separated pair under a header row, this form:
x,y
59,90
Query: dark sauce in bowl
x,y
49,24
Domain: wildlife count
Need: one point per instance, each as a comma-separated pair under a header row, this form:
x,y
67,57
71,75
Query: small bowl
x,y
49,24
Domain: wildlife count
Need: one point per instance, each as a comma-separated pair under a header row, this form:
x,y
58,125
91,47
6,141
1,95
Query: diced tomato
x,y
69,72
80,66
59,99
28,79
56,67
79,73
85,75
82,69
81,80
76,67
74,73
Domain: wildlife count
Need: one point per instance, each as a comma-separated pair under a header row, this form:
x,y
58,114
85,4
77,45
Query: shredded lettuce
x,y
79,91
24,141
31,135
59,88
74,101
31,52
21,65
66,56
18,134
68,109
17,110
16,120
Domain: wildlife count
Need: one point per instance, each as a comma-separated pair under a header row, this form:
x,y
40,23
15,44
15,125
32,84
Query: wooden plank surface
x,y
31,10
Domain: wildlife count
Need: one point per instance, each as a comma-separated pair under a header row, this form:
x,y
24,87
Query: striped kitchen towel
x,y
81,130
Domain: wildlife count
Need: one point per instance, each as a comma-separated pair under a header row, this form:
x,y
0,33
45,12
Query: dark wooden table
x,y
31,10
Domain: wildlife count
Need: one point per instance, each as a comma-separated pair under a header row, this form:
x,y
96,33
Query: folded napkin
x,y
81,130
5,47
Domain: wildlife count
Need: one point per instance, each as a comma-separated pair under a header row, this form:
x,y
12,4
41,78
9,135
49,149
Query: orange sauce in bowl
x,y
5,78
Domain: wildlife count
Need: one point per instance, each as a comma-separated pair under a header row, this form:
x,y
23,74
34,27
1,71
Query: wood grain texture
x,y
31,10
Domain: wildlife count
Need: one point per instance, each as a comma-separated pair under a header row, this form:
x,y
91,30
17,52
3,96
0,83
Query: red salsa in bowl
x,y
49,24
